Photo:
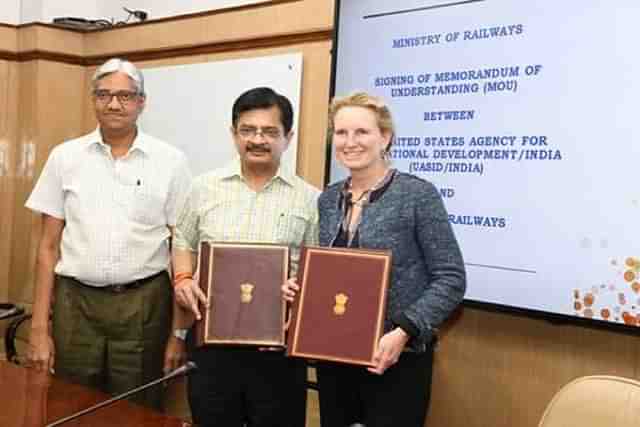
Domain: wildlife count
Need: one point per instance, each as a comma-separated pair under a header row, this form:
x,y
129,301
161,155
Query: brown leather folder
x,y
242,283
339,313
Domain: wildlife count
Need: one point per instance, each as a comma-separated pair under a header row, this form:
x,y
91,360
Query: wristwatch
x,y
181,334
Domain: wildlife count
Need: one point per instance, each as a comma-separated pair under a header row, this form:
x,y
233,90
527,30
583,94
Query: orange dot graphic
x,y
577,305
605,313
629,276
629,319
636,287
588,299
631,262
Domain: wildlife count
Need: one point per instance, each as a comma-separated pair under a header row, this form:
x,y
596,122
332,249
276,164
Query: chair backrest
x,y
11,338
9,310
595,401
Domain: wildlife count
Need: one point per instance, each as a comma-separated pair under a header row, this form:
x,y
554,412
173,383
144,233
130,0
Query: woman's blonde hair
x,y
373,103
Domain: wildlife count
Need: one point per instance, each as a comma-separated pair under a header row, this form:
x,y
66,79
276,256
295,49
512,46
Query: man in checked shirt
x,y
108,202
252,199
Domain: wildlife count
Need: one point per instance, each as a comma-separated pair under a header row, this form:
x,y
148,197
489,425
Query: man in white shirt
x,y
108,203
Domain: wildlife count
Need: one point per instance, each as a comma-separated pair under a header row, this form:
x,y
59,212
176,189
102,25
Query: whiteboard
x,y
190,105
524,115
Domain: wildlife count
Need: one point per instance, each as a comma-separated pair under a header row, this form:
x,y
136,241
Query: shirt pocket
x,y
147,206
291,227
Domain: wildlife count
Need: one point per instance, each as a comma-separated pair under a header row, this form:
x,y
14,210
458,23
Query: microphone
x,y
180,371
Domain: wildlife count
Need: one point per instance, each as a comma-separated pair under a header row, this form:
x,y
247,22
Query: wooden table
x,y
34,399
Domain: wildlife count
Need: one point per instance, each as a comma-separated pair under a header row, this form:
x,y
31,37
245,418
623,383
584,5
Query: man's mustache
x,y
262,148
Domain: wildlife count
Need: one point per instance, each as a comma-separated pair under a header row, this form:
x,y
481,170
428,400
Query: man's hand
x,y
175,355
389,349
41,351
188,295
289,290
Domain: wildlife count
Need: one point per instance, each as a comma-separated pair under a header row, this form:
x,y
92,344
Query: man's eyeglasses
x,y
125,97
247,132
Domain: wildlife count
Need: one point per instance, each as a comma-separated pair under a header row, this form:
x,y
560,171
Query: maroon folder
x,y
339,313
242,283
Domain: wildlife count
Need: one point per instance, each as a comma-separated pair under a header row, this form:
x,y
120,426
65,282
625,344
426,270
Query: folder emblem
x,y
341,304
246,292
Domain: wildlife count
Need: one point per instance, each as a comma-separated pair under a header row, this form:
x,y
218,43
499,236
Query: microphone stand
x,y
182,370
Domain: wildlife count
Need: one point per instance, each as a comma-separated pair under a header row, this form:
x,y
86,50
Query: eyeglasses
x,y
125,97
247,132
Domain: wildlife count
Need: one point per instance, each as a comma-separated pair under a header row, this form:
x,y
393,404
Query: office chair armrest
x,y
8,310
10,338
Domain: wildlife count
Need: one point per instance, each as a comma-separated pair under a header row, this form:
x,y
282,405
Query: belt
x,y
121,287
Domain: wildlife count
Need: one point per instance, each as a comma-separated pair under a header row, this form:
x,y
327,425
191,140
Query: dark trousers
x,y
234,387
113,341
399,397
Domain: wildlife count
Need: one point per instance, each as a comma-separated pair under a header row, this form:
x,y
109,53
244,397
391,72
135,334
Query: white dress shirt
x,y
116,211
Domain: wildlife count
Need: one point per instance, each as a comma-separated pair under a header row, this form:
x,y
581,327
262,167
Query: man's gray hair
x,y
115,65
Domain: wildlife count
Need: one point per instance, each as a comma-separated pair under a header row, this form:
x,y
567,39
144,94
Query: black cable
x,y
84,23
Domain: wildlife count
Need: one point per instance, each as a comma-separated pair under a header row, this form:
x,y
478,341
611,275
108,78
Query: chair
x,y
595,401
8,310
12,336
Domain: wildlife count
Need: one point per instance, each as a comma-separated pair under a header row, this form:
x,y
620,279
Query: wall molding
x,y
277,40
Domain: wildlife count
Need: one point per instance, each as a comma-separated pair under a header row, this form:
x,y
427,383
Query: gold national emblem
x,y
341,304
246,292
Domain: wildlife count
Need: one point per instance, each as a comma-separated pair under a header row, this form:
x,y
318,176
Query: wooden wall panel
x,y
501,370
50,39
51,104
9,39
8,144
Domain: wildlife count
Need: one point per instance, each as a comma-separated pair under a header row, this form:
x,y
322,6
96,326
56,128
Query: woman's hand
x,y
389,349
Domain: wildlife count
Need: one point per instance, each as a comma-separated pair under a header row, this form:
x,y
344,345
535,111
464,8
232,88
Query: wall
x,y
17,12
165,8
31,123
30,11
8,136
46,10
10,12
501,370
88,9
491,369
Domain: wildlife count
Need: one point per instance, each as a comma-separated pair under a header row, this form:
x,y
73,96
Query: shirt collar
x,y
140,143
234,170
368,196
